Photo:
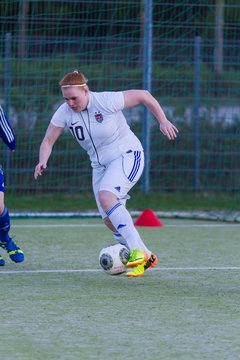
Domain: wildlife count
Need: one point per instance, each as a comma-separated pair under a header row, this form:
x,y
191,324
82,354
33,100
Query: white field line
x,y
225,268
169,269
46,226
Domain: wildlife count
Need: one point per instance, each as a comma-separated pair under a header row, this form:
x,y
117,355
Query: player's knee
x,y
106,199
103,198
2,206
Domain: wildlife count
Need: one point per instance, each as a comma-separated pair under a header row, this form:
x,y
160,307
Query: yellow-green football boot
x,y
139,270
136,257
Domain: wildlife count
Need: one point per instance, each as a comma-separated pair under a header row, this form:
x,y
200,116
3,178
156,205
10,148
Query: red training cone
x,y
148,218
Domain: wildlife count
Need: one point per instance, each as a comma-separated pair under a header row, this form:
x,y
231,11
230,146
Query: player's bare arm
x,y
51,136
136,97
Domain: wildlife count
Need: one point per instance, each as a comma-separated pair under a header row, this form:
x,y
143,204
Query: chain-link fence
x,y
195,75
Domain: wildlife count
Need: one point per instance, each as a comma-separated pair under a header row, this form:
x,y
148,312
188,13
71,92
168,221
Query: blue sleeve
x,y
6,131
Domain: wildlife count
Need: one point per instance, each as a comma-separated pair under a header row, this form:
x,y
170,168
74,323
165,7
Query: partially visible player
x,y
96,121
6,242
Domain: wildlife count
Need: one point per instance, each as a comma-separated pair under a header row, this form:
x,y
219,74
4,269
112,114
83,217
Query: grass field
x,y
60,305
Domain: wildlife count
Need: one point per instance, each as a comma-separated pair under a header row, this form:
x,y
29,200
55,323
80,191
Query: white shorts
x,y
119,176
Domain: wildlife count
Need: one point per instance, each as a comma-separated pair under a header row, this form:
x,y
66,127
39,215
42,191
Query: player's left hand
x,y
39,169
168,129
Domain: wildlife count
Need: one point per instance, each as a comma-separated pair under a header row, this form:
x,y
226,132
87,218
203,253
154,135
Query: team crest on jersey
x,y
98,117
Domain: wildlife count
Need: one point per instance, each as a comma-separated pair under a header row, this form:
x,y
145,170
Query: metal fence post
x,y
147,75
196,106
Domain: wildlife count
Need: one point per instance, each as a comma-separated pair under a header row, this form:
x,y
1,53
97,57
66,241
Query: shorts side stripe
x,y
136,165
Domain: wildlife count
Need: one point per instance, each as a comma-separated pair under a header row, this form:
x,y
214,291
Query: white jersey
x,y
101,129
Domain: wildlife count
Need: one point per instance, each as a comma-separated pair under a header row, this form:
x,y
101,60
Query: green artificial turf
x,y
59,304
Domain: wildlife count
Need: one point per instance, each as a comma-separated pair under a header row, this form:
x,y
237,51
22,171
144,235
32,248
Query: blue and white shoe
x,y
14,252
2,262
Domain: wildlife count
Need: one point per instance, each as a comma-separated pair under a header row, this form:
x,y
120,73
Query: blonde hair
x,y
75,78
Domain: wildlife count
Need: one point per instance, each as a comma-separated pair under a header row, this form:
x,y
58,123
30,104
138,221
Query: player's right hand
x,y
39,169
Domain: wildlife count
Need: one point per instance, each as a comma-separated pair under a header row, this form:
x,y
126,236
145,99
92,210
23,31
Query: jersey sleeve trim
x,y
60,116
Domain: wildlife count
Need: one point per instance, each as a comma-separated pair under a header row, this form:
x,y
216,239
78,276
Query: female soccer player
x,y
96,121
14,252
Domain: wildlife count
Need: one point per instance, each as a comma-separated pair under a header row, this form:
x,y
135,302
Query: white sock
x,y
122,221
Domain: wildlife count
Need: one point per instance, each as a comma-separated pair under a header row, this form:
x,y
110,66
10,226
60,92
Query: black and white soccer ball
x,y
112,259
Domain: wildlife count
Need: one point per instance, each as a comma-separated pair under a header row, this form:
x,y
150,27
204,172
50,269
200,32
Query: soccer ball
x,y
112,259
